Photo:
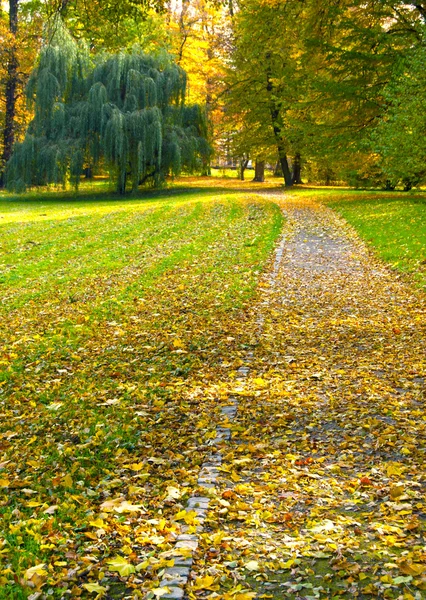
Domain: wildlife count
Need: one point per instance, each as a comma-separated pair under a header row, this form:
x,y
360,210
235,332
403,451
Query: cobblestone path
x,y
321,488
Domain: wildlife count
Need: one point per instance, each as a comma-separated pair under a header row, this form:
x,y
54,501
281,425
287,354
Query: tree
x,y
310,78
110,25
354,48
125,111
400,136
266,81
199,41
11,88
102,23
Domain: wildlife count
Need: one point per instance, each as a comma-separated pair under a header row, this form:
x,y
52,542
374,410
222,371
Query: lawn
x,y
123,321
394,224
120,319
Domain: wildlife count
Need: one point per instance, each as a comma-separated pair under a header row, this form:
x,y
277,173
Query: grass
x,y
394,224
119,319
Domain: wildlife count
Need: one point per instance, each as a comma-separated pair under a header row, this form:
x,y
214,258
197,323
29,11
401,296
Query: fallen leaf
x,y
95,587
252,565
121,565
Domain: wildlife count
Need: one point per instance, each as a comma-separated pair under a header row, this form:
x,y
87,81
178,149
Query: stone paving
x,y
315,259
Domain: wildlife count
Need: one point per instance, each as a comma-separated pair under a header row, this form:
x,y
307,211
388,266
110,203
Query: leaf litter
x,y
323,486
109,385
113,400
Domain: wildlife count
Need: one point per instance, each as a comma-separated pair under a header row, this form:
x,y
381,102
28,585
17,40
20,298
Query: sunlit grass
x,y
395,225
117,316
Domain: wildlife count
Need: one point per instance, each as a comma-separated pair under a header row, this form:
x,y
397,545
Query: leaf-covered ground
x,y
395,224
123,326
323,485
117,320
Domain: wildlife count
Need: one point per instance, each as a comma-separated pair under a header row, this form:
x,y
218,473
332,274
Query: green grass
x,y
119,320
394,224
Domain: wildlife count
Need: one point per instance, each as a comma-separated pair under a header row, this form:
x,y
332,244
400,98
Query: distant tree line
x,y
334,90
328,91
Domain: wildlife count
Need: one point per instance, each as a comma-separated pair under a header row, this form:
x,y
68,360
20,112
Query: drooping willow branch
x,y
124,111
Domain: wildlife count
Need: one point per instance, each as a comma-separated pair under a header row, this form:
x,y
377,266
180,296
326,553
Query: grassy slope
x,y
394,224
119,321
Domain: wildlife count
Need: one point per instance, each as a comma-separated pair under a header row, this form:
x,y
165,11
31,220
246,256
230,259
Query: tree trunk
x,y
121,186
277,170
297,168
10,91
259,171
243,165
288,179
277,126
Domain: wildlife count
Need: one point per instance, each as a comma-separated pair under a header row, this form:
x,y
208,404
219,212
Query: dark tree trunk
x,y
121,187
10,91
288,179
243,166
277,126
277,170
297,169
259,171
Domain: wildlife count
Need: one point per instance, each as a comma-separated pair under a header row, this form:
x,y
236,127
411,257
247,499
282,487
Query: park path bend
x,y
322,487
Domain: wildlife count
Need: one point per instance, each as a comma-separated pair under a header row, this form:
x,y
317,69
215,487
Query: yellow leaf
x,y
51,510
136,466
110,505
259,382
252,565
396,491
120,505
173,492
287,564
161,591
128,507
33,504
177,343
121,565
414,569
235,476
95,587
188,516
36,570
68,481
203,583
98,523
142,566
4,483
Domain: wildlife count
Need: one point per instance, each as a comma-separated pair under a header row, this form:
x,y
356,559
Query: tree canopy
x,y
325,82
125,110
334,87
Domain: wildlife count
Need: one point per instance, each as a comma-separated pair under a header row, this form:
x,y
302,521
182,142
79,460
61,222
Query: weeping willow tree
x,y
125,112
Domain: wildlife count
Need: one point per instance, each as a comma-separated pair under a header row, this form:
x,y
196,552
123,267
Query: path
x,y
322,484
